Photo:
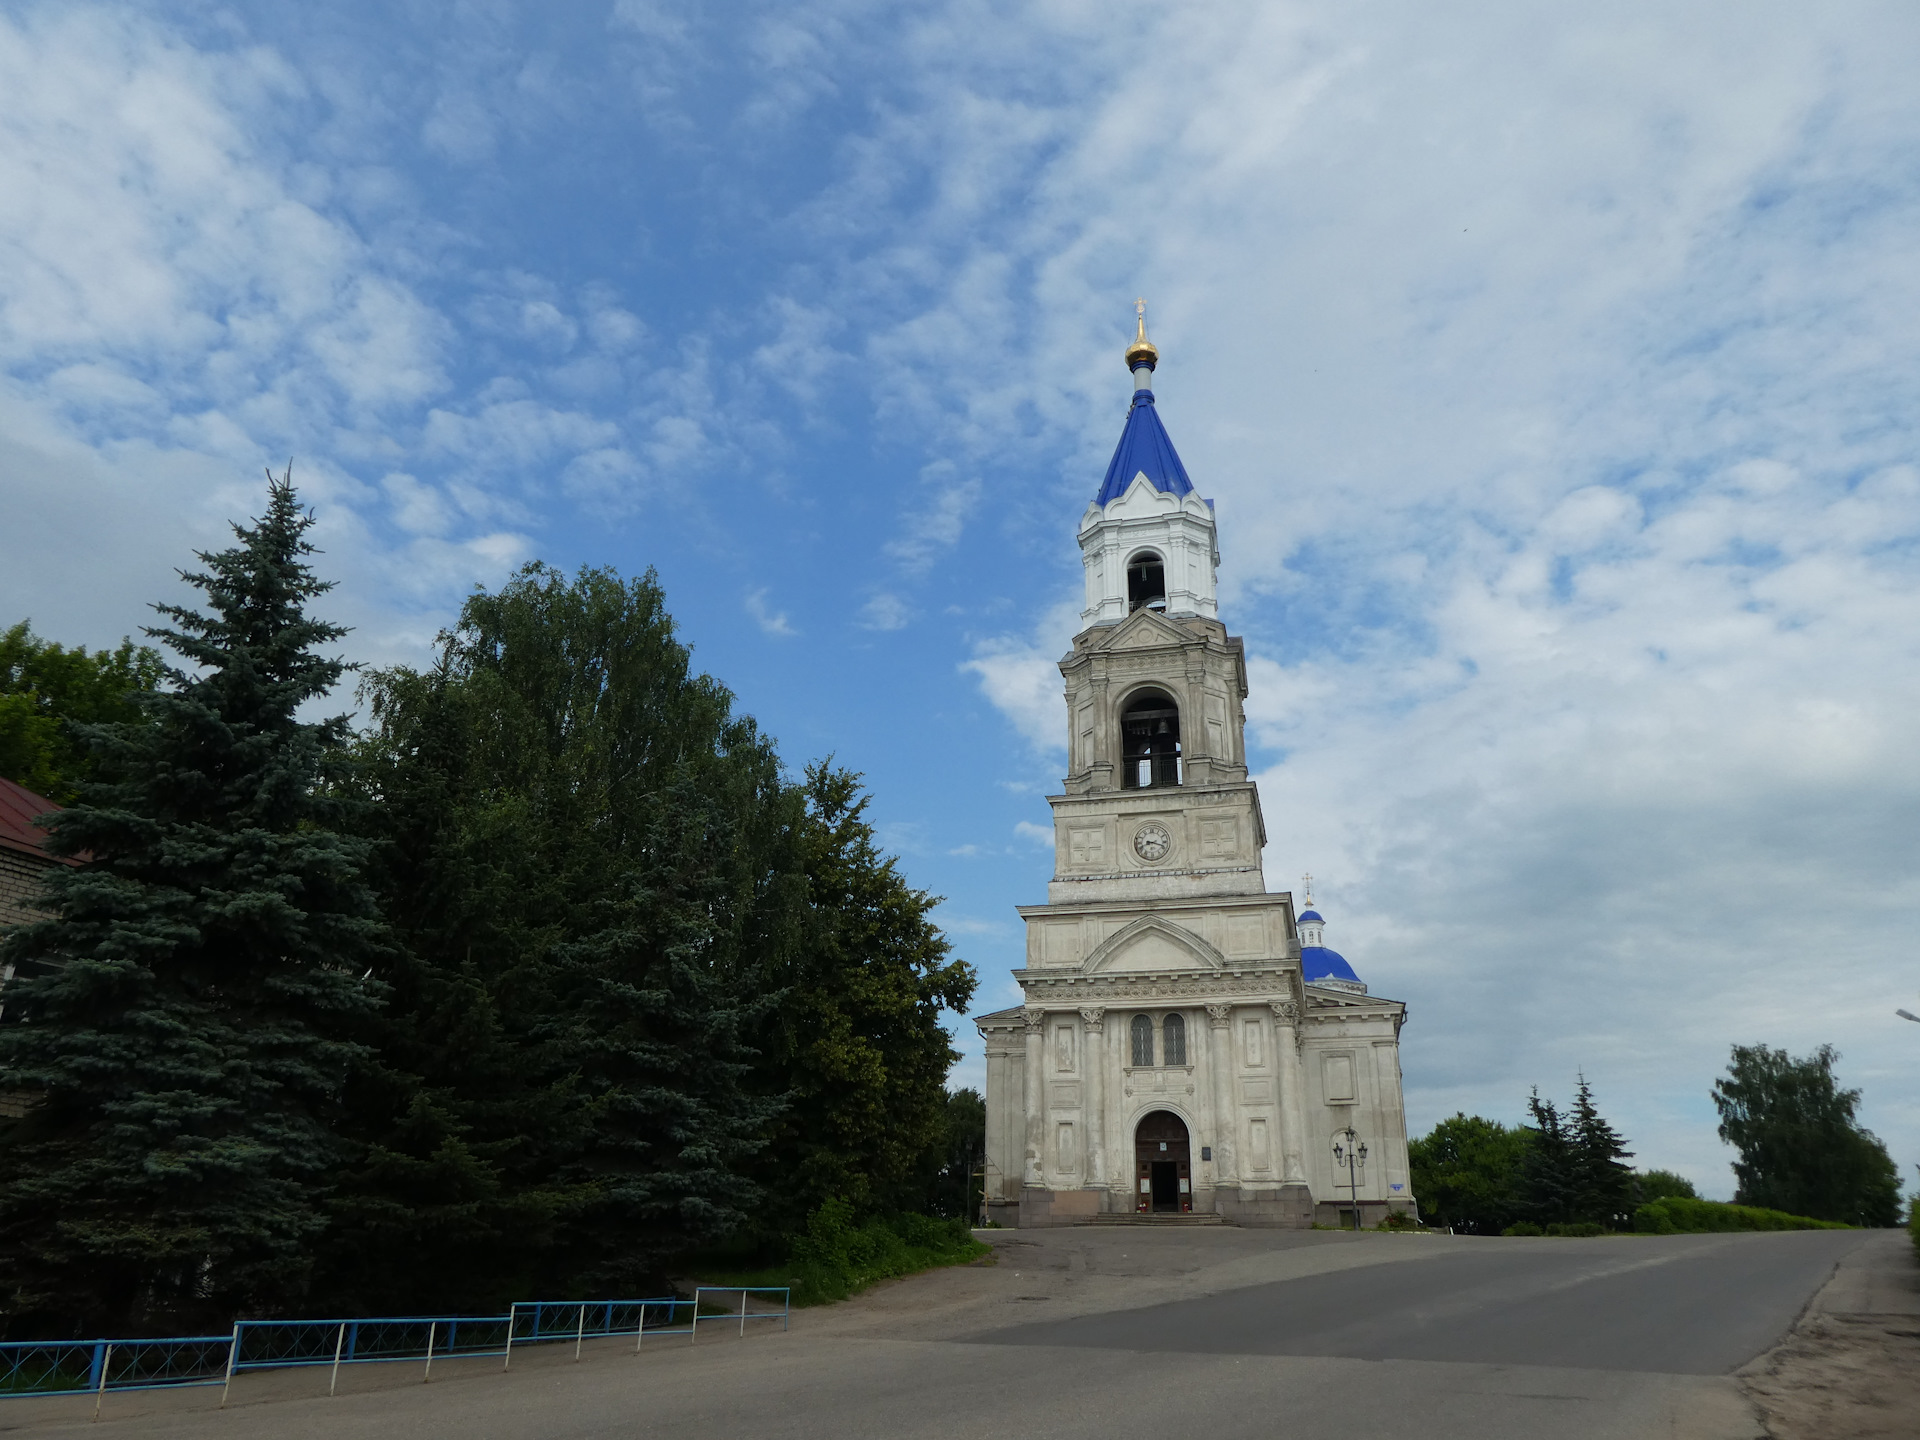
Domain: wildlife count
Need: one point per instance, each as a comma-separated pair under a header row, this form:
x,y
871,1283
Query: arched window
x,y
1146,583
1142,1040
1150,742
1175,1044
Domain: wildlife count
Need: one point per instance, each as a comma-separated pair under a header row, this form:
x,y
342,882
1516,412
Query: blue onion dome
x,y
1309,917
1319,963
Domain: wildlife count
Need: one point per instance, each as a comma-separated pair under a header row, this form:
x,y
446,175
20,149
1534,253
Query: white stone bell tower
x,y
1171,1057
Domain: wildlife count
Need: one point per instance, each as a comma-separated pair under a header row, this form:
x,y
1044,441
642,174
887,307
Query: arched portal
x,y
1164,1164
1150,741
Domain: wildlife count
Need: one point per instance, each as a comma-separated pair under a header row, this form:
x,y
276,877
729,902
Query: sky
x,y
1555,372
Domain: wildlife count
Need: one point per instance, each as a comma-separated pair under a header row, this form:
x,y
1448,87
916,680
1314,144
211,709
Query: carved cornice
x,y
1072,990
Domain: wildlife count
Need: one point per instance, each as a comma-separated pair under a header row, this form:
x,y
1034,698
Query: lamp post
x,y
1351,1151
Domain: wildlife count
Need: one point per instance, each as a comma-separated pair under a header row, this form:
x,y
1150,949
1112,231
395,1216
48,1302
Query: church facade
x,y
1186,1043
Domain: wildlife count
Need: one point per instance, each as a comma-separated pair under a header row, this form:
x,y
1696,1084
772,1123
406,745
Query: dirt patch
x,y
1850,1370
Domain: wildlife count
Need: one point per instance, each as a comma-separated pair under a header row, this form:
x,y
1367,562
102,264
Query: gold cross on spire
x,y
1141,352
1306,892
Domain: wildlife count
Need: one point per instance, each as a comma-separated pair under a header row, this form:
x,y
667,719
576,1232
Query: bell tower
x,y
1171,1055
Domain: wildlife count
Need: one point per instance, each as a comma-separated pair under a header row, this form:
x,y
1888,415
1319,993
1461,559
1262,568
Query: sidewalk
x,y
1850,1369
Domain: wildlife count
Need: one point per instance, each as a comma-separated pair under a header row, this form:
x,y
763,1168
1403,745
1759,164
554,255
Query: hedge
x,y
1677,1216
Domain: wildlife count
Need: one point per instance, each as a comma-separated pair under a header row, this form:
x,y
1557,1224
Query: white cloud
x,y
773,622
885,612
1556,382
1039,835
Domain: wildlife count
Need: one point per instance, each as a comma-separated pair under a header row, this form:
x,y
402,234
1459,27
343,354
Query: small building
x,y
1185,1044
24,860
24,863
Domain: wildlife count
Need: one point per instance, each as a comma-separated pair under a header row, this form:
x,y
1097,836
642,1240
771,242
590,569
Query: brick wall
x,y
20,877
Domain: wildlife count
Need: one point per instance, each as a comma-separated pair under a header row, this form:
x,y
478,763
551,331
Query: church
x,y
1187,1044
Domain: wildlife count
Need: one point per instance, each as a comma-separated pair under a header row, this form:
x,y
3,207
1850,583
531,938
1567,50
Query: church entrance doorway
x,y
1163,1164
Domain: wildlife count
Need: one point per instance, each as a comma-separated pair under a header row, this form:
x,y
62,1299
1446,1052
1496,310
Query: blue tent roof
x,y
1319,963
1308,916
1144,447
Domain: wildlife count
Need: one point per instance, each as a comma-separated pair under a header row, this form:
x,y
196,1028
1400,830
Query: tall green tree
x,y
1801,1149
1549,1175
855,1045
1602,1182
1467,1173
47,691
183,1012
592,863
956,1189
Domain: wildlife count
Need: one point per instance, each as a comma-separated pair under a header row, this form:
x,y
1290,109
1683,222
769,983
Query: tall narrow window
x,y
1146,582
1175,1048
1150,741
1142,1040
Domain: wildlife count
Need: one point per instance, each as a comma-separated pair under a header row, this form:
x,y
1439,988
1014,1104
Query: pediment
x,y
1143,630
1152,945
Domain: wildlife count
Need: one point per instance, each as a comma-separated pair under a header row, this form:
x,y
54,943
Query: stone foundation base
x,y
1339,1213
1290,1207
1041,1207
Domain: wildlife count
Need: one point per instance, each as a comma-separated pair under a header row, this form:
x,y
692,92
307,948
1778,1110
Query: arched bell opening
x,y
1146,583
1163,1165
1150,741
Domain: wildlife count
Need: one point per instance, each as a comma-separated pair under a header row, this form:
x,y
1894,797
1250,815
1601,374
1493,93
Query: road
x,y
1213,1333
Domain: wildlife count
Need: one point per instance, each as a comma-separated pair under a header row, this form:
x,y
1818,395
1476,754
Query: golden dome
x,y
1141,352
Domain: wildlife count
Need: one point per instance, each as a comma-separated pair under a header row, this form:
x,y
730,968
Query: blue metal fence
x,y
36,1367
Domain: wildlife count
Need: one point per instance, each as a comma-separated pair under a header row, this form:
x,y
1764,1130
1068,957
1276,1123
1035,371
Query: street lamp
x,y
1351,1151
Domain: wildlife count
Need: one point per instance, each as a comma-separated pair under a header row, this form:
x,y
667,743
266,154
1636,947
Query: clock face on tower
x,y
1151,842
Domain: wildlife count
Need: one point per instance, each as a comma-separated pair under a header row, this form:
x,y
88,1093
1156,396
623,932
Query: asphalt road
x,y
1212,1335
1657,1306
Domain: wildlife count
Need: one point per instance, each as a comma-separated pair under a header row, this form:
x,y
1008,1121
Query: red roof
x,y
18,806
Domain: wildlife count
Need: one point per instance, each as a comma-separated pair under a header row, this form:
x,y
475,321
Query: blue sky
x,y
1554,373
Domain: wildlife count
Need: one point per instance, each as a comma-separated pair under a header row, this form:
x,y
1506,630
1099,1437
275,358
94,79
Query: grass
x,y
838,1258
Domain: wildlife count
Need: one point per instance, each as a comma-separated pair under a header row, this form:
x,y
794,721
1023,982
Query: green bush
x,y
837,1258
1577,1230
1913,1222
1677,1216
1524,1227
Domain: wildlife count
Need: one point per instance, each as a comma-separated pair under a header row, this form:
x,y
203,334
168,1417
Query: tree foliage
x,y
855,1043
1466,1173
184,1012
47,692
1483,1177
552,975
1801,1149
1652,1185
651,993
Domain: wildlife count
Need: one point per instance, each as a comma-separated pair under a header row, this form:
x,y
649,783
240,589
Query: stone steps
x,y
1138,1219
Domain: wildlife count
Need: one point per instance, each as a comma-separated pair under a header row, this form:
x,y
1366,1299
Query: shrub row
x,y
837,1258
1676,1216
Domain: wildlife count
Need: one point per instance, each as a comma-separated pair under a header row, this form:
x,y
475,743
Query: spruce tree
x,y
181,1013
1602,1181
1547,1179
